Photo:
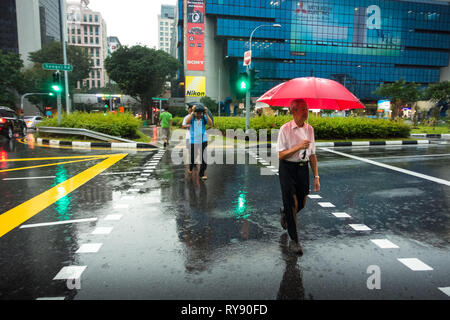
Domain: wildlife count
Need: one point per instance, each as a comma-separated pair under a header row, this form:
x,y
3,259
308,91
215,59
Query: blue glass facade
x,y
360,43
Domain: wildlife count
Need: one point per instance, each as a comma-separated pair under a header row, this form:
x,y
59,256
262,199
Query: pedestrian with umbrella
x,y
296,141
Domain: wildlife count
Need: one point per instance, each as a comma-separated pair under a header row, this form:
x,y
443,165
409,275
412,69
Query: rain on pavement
x,y
145,229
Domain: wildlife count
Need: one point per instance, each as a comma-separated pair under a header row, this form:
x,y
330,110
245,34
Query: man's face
x,y
299,111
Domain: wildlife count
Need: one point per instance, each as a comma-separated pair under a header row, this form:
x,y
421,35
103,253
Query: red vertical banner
x,y
195,35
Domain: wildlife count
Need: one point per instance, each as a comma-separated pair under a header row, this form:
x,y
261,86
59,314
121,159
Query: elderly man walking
x,y
296,149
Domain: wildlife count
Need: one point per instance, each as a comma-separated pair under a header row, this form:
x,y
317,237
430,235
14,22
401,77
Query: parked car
x,y
10,123
31,121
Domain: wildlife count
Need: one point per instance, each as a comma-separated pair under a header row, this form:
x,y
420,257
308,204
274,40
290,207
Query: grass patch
x,y
431,130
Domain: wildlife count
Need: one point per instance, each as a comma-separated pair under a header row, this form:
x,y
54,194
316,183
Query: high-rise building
x,y
9,41
50,21
87,29
166,27
26,25
113,44
359,43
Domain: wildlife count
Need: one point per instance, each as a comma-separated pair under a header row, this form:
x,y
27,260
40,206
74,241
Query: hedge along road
x,y
151,231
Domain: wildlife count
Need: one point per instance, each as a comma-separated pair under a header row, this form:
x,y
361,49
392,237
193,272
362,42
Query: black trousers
x,y
194,147
294,180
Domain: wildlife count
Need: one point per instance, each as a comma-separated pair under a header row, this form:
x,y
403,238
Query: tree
x,y
400,93
211,104
39,80
11,79
439,93
76,56
141,72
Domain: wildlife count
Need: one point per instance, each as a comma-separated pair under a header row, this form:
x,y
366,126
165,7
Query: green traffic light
x,y
243,85
56,88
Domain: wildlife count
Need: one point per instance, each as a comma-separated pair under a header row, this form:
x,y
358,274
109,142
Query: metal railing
x,y
83,132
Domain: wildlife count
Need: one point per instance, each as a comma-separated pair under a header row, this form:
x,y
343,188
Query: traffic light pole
x,y
58,102
247,103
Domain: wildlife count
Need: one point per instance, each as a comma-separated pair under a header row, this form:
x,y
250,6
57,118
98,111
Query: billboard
x,y
328,28
195,86
195,35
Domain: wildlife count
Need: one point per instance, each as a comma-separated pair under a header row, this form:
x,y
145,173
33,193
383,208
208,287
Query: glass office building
x,y
50,21
9,41
359,43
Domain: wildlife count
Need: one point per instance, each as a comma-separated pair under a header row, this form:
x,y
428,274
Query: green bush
x,y
120,124
324,128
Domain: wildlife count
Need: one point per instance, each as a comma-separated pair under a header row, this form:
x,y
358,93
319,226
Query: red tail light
x,y
2,120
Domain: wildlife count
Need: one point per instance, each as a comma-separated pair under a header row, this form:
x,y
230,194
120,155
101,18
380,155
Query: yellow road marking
x,y
49,164
18,215
55,158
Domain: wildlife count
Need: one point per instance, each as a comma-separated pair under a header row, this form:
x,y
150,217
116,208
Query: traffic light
x,y
56,84
254,78
243,84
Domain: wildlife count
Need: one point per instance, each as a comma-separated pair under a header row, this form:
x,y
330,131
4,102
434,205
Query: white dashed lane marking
x,y
89,248
359,227
415,264
102,230
70,272
341,215
445,290
326,205
384,244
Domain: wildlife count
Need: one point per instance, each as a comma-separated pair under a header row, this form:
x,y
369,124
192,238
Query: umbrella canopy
x,y
318,93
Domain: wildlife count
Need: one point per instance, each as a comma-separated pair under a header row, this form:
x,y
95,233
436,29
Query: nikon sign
x,y
195,86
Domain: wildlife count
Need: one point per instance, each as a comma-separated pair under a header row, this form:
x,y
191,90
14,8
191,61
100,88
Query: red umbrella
x,y
318,93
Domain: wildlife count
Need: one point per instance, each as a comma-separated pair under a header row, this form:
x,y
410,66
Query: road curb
x,y
431,135
370,143
112,145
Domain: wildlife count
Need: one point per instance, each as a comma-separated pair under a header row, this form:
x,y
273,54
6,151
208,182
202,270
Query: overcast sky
x,y
132,21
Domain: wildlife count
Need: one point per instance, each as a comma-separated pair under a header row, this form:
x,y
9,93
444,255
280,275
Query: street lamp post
x,y
247,94
22,98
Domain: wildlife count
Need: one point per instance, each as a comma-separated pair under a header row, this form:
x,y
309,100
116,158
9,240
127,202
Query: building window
x,y
79,39
90,18
98,84
96,40
85,39
96,18
84,18
98,62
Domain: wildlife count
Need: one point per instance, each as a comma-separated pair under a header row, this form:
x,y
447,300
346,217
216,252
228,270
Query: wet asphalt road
x,y
173,236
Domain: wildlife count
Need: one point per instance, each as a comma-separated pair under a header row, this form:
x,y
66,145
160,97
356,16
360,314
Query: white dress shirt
x,y
291,135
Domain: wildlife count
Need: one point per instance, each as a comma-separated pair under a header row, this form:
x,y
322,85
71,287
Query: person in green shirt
x,y
166,125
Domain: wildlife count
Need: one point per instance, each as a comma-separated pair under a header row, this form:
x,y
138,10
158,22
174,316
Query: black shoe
x,y
296,247
283,219
165,144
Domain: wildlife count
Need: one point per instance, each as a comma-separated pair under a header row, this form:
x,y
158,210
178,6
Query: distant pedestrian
x,y
166,125
296,148
198,120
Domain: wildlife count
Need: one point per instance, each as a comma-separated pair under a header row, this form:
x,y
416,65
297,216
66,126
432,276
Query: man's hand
x,y
304,144
316,185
